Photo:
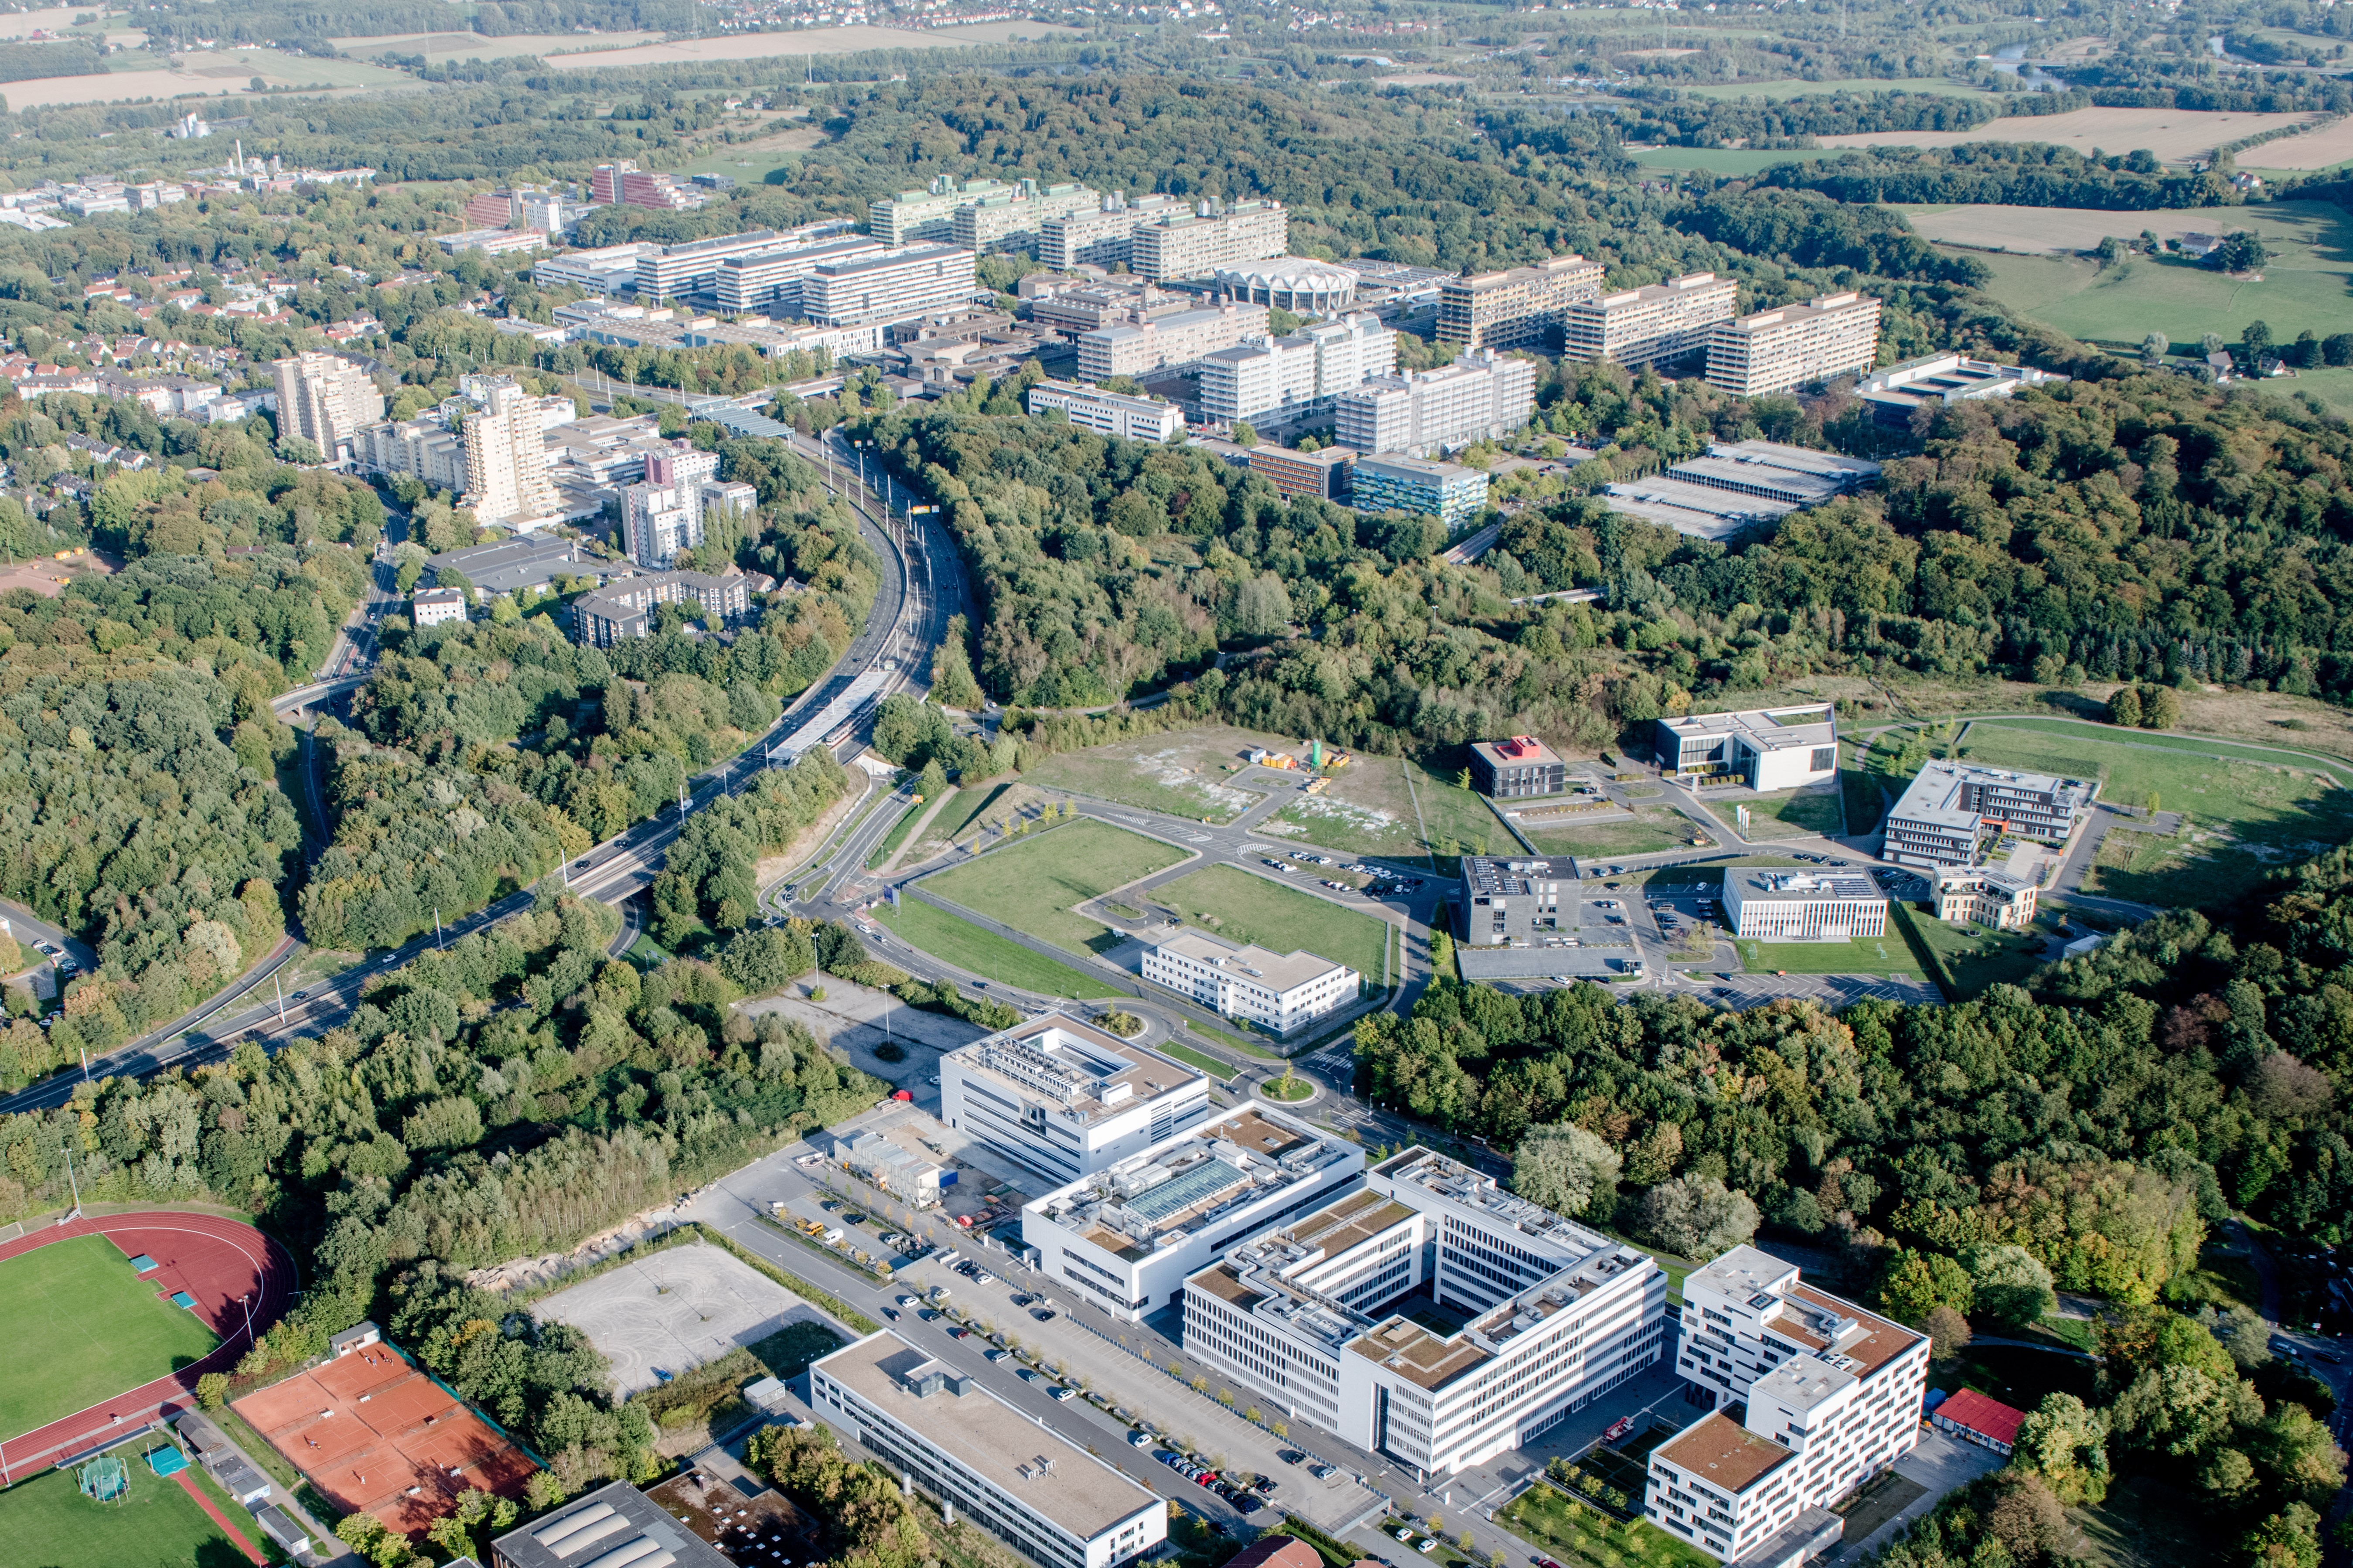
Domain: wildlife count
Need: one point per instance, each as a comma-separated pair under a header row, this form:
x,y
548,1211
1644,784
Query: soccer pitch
x,y
81,1328
47,1522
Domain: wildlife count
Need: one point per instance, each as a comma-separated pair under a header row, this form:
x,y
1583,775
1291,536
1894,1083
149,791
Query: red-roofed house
x,y
1277,1552
1973,1418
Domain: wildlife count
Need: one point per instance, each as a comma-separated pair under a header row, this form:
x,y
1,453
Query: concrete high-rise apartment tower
x,y
325,399
506,461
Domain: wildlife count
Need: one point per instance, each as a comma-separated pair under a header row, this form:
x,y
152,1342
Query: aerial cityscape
x,y
934,784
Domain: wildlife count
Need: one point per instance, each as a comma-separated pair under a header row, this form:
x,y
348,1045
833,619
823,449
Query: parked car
x,y
1139,1440
1290,1455
1323,1472
1032,1374
1059,1394
997,1355
1428,1544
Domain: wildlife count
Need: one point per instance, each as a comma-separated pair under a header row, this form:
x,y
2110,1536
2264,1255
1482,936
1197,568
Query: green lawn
x,y
1233,1042
1241,907
1577,1534
1222,1071
1979,956
1866,955
48,1522
1791,814
2304,285
968,947
787,1352
1653,827
1032,886
2196,745
82,1328
2246,817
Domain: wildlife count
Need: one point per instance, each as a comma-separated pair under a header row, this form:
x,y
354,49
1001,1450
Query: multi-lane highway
x,y
922,586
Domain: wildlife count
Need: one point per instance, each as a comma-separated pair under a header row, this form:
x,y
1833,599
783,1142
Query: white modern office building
x,y
1953,811
1422,414
1131,348
1764,748
607,270
929,213
1776,904
1010,220
1065,1098
1288,377
1112,414
771,280
1279,991
888,285
1104,237
1300,1314
938,1429
1830,1395
1797,345
1651,325
1127,1236
665,272
1196,244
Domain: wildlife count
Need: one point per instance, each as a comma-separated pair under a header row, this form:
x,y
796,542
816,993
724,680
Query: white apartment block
x,y
1104,237
1128,1234
889,286
1797,345
1195,244
771,280
426,449
1297,1316
1134,347
1281,992
506,461
1282,378
936,1427
665,272
1832,1395
1764,748
1111,414
1479,396
1768,904
1011,219
929,214
1066,1099
607,270
431,606
1648,325
326,400
664,513
1516,308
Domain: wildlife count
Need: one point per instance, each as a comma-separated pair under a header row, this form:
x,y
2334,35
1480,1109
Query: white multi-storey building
x,y
665,513
1560,1315
506,459
427,448
1132,348
666,271
1766,904
1282,992
889,286
771,280
1195,245
1066,1099
1011,219
1952,810
1129,1234
1052,1502
929,214
1283,378
1764,748
1112,414
607,270
1104,237
326,400
1648,325
1478,397
1832,1394
1774,351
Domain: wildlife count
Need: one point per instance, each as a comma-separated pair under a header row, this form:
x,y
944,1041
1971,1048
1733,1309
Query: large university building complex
x,y
1066,1099
1953,811
1797,345
1651,325
1520,308
1281,992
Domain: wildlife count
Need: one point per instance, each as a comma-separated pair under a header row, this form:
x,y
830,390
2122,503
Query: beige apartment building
x,y
1518,308
1647,325
1195,245
1774,351
1131,348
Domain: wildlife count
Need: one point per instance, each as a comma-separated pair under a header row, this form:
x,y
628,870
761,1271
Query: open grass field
x,y
82,1328
1241,907
2323,147
2175,135
2244,817
1183,773
2194,745
1032,886
1723,160
816,41
1977,956
966,814
1866,955
1786,814
2308,283
1653,827
1380,806
2060,231
985,953
1574,1533
456,45
47,1522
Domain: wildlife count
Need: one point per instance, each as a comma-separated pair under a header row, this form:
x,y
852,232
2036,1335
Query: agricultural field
x,y
1653,827
440,47
1034,885
2063,231
978,952
823,41
2175,135
83,1328
1183,773
1241,907
2242,818
2323,147
1378,806
158,1524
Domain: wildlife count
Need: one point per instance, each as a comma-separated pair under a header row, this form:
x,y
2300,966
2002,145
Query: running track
x,y
218,1262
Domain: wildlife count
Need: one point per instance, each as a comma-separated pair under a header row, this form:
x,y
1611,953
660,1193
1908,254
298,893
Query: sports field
x,y
82,1328
2244,817
985,953
46,1523
1241,907
1032,886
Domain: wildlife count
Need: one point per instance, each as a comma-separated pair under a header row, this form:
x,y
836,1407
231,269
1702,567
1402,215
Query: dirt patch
x,y
2175,135
2323,147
